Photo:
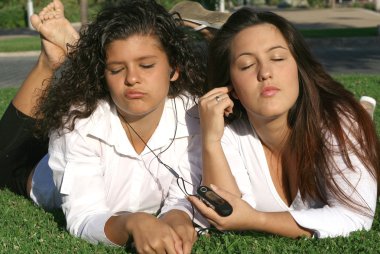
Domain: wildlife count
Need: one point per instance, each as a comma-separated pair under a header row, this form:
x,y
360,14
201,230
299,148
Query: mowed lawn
x,y
25,228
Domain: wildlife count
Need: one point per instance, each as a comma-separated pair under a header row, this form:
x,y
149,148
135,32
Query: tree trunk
x,y
84,12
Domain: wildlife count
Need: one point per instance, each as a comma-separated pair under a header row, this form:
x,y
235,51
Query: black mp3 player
x,y
214,201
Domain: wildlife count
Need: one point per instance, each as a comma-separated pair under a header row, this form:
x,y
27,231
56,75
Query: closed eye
x,y
147,66
246,67
114,72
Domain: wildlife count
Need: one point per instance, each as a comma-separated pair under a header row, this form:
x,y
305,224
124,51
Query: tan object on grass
x,y
195,13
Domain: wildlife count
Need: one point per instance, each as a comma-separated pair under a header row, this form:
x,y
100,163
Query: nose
x,y
132,77
265,72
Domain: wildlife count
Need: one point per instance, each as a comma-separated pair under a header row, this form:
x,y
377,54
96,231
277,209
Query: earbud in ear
x,y
172,74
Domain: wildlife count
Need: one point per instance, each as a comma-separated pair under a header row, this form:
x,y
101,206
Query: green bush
x,y
365,5
9,3
13,16
317,3
13,12
168,4
72,8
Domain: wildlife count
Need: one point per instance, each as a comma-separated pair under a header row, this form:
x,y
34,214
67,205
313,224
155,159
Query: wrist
x,y
175,216
260,221
130,221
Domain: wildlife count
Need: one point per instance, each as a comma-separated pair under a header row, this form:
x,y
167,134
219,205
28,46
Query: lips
x,y
268,91
132,94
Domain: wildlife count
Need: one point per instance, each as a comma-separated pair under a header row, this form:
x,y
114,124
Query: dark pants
x,y
20,150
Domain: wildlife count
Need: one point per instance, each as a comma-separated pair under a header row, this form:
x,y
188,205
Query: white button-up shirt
x,y
97,172
246,157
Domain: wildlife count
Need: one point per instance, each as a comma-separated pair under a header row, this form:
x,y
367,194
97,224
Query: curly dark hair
x,y
80,82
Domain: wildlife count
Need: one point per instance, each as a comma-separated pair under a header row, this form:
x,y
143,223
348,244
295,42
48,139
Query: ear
x,y
174,74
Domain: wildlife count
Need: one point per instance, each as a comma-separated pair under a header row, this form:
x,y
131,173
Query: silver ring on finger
x,y
217,98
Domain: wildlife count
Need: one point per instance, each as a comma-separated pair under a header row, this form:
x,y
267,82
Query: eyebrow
x,y
138,59
270,49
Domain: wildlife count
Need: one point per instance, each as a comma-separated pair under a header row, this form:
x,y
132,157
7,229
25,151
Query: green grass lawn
x,y
20,44
26,228
340,32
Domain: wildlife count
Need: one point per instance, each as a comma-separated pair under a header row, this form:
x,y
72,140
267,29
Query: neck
x,y
139,129
272,132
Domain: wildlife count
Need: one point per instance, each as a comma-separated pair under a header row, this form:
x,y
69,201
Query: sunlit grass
x,y
26,228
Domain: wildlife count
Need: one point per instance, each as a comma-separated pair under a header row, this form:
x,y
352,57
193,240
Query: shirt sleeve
x,y
337,219
230,145
189,168
77,173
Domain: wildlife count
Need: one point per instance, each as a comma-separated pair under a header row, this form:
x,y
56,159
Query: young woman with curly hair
x,y
115,112
300,155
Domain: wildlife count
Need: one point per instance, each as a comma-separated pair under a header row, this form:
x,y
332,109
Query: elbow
x,y
89,228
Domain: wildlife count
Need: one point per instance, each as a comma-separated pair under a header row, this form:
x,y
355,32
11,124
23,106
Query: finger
x,y
188,237
222,101
144,248
224,105
229,109
206,211
175,245
188,244
215,91
211,96
163,245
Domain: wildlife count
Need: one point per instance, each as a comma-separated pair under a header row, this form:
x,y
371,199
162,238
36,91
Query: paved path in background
x,y
15,68
357,55
331,18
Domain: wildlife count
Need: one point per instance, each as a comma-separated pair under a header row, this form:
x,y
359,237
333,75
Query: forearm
x,y
279,223
216,169
244,217
27,96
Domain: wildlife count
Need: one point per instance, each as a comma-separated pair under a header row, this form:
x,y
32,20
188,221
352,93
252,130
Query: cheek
x,y
109,83
295,82
237,80
113,85
243,83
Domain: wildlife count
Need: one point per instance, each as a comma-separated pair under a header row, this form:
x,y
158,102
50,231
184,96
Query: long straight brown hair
x,y
324,110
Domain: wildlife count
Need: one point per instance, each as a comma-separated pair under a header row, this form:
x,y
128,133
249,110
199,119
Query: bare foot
x,y
54,27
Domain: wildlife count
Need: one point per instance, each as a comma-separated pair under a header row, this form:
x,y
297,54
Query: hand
x,y
183,226
243,216
151,235
213,106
